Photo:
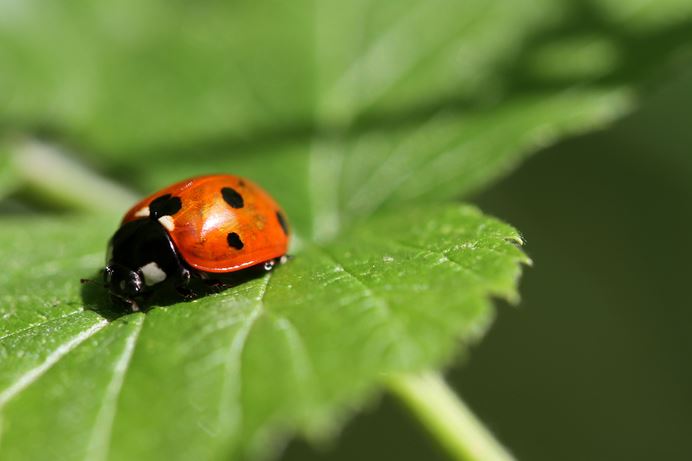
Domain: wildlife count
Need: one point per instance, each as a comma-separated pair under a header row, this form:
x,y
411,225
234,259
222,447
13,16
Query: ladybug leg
x,y
215,285
186,293
123,301
272,263
182,285
184,277
269,265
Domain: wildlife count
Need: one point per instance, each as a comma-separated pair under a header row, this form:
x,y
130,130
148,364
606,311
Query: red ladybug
x,y
205,227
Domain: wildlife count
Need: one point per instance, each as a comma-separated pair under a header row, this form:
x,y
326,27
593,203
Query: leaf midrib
x,y
102,432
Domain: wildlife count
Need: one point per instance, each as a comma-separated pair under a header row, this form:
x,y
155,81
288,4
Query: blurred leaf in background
x,y
442,96
610,297
359,117
594,363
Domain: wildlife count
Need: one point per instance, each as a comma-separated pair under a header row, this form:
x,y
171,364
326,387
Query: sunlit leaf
x,y
223,373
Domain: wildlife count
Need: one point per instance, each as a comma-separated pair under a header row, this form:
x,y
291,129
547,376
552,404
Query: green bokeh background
x,y
594,363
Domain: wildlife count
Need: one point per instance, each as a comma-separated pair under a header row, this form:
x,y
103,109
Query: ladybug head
x,y
123,283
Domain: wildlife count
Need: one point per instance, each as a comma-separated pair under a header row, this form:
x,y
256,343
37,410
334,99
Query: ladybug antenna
x,y
85,281
92,282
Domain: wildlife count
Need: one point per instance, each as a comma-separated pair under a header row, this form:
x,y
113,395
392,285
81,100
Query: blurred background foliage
x,y
593,363
446,94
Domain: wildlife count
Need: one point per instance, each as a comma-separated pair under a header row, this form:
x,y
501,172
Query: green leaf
x,y
123,78
360,117
124,74
223,373
340,180
397,101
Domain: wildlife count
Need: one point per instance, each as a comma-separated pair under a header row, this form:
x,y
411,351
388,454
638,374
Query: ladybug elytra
x,y
202,227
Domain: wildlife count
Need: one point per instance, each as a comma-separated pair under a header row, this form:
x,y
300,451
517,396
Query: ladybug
x,y
203,227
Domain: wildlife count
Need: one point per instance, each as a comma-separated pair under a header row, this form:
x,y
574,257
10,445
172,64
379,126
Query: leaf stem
x,y
58,178
447,418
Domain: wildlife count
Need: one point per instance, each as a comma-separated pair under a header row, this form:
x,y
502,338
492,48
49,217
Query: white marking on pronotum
x,y
152,274
142,212
167,222
35,373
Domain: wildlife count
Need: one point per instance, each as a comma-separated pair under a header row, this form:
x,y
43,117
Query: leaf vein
x,y
304,368
380,301
230,417
102,432
35,373
40,324
444,257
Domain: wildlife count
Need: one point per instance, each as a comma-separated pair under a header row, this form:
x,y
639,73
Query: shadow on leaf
x,y
96,297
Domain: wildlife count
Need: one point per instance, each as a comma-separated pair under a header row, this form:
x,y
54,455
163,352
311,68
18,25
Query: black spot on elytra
x,y
166,205
282,221
234,241
232,197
